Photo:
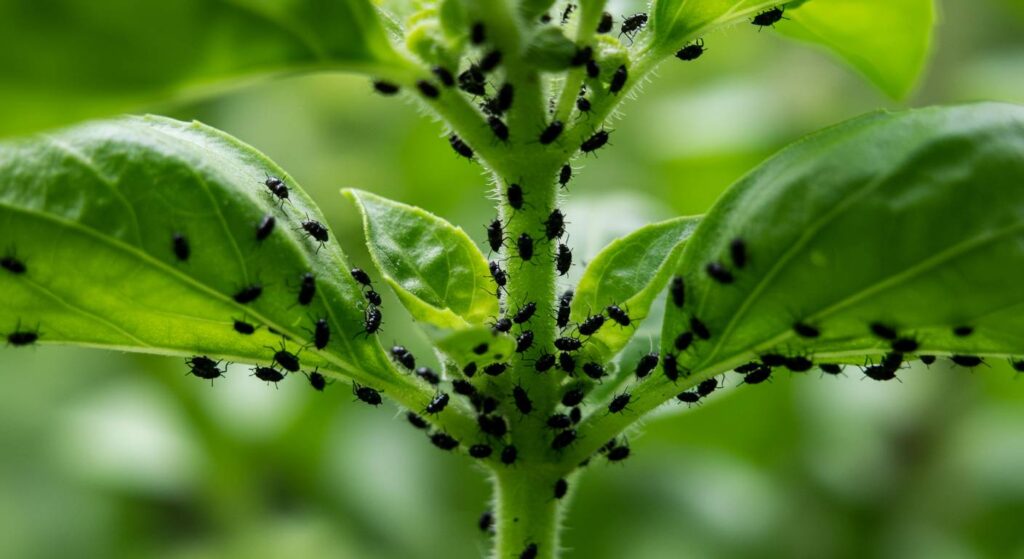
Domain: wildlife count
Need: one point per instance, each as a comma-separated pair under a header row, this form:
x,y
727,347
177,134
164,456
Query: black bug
x,y
892,360
361,277
321,333
470,369
201,366
768,18
699,328
719,273
595,142
317,231
473,81
569,8
367,395
582,105
307,288
428,89
568,343
706,387
905,345
277,187
882,331
619,402
575,415
738,252
444,76
632,25
565,174
524,245
591,325
552,132
444,441
564,307
671,367
618,315
529,552
503,100
498,127
514,195
484,404
692,51
606,23
495,369
502,325
486,522
1017,364
460,147
805,330
416,421
317,381
493,425
463,387
879,372
646,364
968,361
480,451
559,421
495,235
618,80
268,374
593,69
963,331
437,404
758,375
561,488
563,259
403,356
243,327
522,400
481,349
618,453
830,368
490,61
563,439
17,267
287,360
773,360
688,397
248,293
567,363
749,367
373,297
594,370
573,397
385,88
265,227
678,291
477,33
509,454
371,320
179,244
799,364
524,341
582,56
544,363
683,341
525,313
428,375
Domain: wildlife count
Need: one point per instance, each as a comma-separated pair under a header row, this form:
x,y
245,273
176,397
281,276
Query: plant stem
x,y
525,513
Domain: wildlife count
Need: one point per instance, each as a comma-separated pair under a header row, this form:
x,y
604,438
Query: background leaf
x,y
76,59
886,40
913,219
433,266
92,213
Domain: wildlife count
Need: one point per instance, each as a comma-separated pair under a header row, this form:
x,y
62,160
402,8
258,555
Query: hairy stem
x,y
526,513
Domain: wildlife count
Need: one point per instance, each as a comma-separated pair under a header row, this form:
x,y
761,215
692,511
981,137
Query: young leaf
x,y
675,22
630,273
141,53
140,234
435,269
861,33
909,220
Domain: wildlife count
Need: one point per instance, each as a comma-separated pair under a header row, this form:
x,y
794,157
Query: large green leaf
x,y
92,213
73,59
433,266
630,272
861,32
914,220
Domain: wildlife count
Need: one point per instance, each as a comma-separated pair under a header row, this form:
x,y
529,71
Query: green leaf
x,y
92,212
914,220
433,266
676,22
75,59
861,32
630,272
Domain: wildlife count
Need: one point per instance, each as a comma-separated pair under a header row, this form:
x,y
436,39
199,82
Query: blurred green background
x,y
115,455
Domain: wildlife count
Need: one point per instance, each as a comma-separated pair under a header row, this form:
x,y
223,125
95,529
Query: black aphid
x,y
385,88
243,327
525,313
905,345
758,376
481,349
618,315
882,331
480,451
416,421
1017,364
591,325
568,343
567,363
594,370
277,187
495,235
428,375
373,297
892,360
460,147
646,364
495,369
552,132
618,79
477,33
963,331
524,341
470,369
437,404
691,51
966,360
632,25
575,415
699,328
582,105
444,441
371,320
524,245
522,400
498,127
559,421
463,387
595,142
563,259
678,291
671,367
493,425
265,227
564,175
490,61
617,453
509,454
361,277
773,360
514,195
307,288
472,81
768,18
619,403
502,325
317,381
564,307
799,364
444,75
428,89
268,374
321,333
563,439
719,273
688,397
750,367
830,368
202,367
529,552
486,522
593,69
287,360
248,293
706,387
572,397
13,265
316,230
544,363
179,244
403,356
582,56
366,394
561,488
503,100
879,372
683,341
805,330
606,23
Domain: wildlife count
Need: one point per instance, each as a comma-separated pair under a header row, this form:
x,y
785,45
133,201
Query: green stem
x,y
526,513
